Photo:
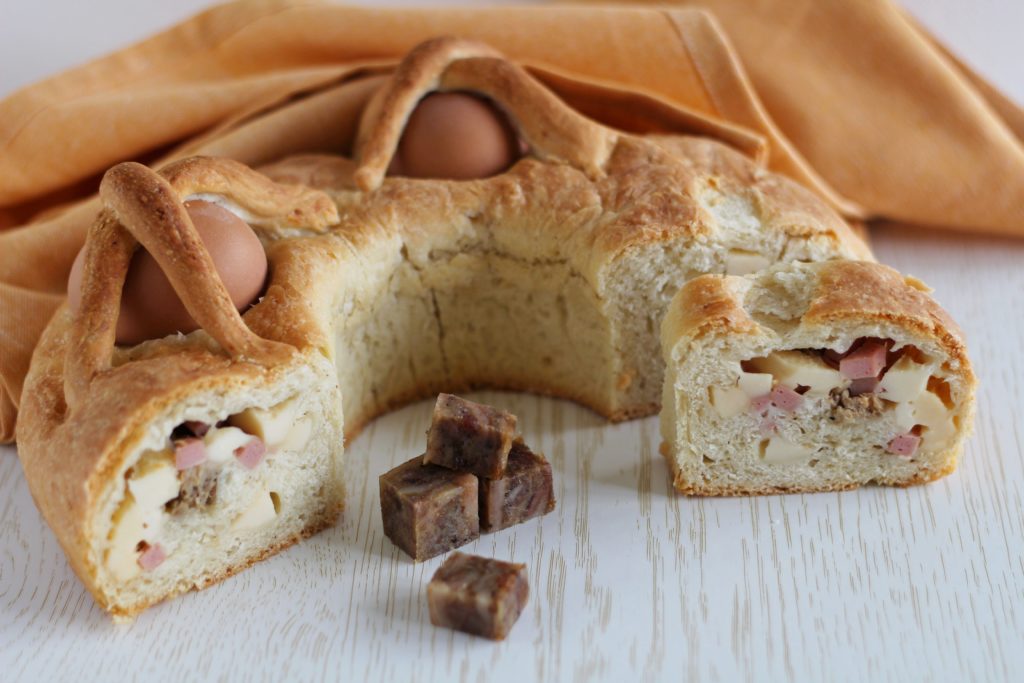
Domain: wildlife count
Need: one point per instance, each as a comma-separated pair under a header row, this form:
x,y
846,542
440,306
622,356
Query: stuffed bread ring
x,y
166,466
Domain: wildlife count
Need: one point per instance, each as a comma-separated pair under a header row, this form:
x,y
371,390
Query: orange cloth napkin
x,y
850,98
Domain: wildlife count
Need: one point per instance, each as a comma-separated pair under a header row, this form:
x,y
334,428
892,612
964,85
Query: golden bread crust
x,y
706,305
646,196
858,291
851,290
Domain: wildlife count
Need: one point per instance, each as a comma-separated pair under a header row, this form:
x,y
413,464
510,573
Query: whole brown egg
x,y
455,136
150,308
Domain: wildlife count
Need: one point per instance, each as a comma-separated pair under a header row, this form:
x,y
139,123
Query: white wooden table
x,y
629,581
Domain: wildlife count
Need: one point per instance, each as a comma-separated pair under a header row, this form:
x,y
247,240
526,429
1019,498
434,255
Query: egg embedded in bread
x,y
150,308
455,136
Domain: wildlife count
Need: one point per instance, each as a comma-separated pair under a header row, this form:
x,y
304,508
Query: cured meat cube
x,y
524,492
469,437
477,595
428,510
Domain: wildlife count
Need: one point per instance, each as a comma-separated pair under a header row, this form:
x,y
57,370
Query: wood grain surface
x,y
629,581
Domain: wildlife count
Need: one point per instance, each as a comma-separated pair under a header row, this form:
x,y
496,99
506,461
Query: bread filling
x,y
189,476
895,391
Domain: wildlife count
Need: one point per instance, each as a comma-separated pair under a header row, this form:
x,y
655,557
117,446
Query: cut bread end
x,y
783,382
213,486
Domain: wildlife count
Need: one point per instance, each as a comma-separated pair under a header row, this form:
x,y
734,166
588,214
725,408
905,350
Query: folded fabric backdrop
x,y
850,98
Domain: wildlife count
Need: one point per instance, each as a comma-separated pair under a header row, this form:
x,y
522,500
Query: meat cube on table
x,y
469,437
477,595
525,491
428,510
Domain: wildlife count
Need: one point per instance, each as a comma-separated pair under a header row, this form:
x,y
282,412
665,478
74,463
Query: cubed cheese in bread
x,y
221,443
273,425
262,510
755,384
796,368
154,480
298,435
931,412
905,380
729,401
780,450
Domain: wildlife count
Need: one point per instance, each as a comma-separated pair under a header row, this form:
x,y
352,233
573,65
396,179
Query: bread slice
x,y
105,478
812,377
211,520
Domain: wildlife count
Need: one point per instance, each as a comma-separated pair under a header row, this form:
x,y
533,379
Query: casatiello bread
x,y
169,465
812,377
